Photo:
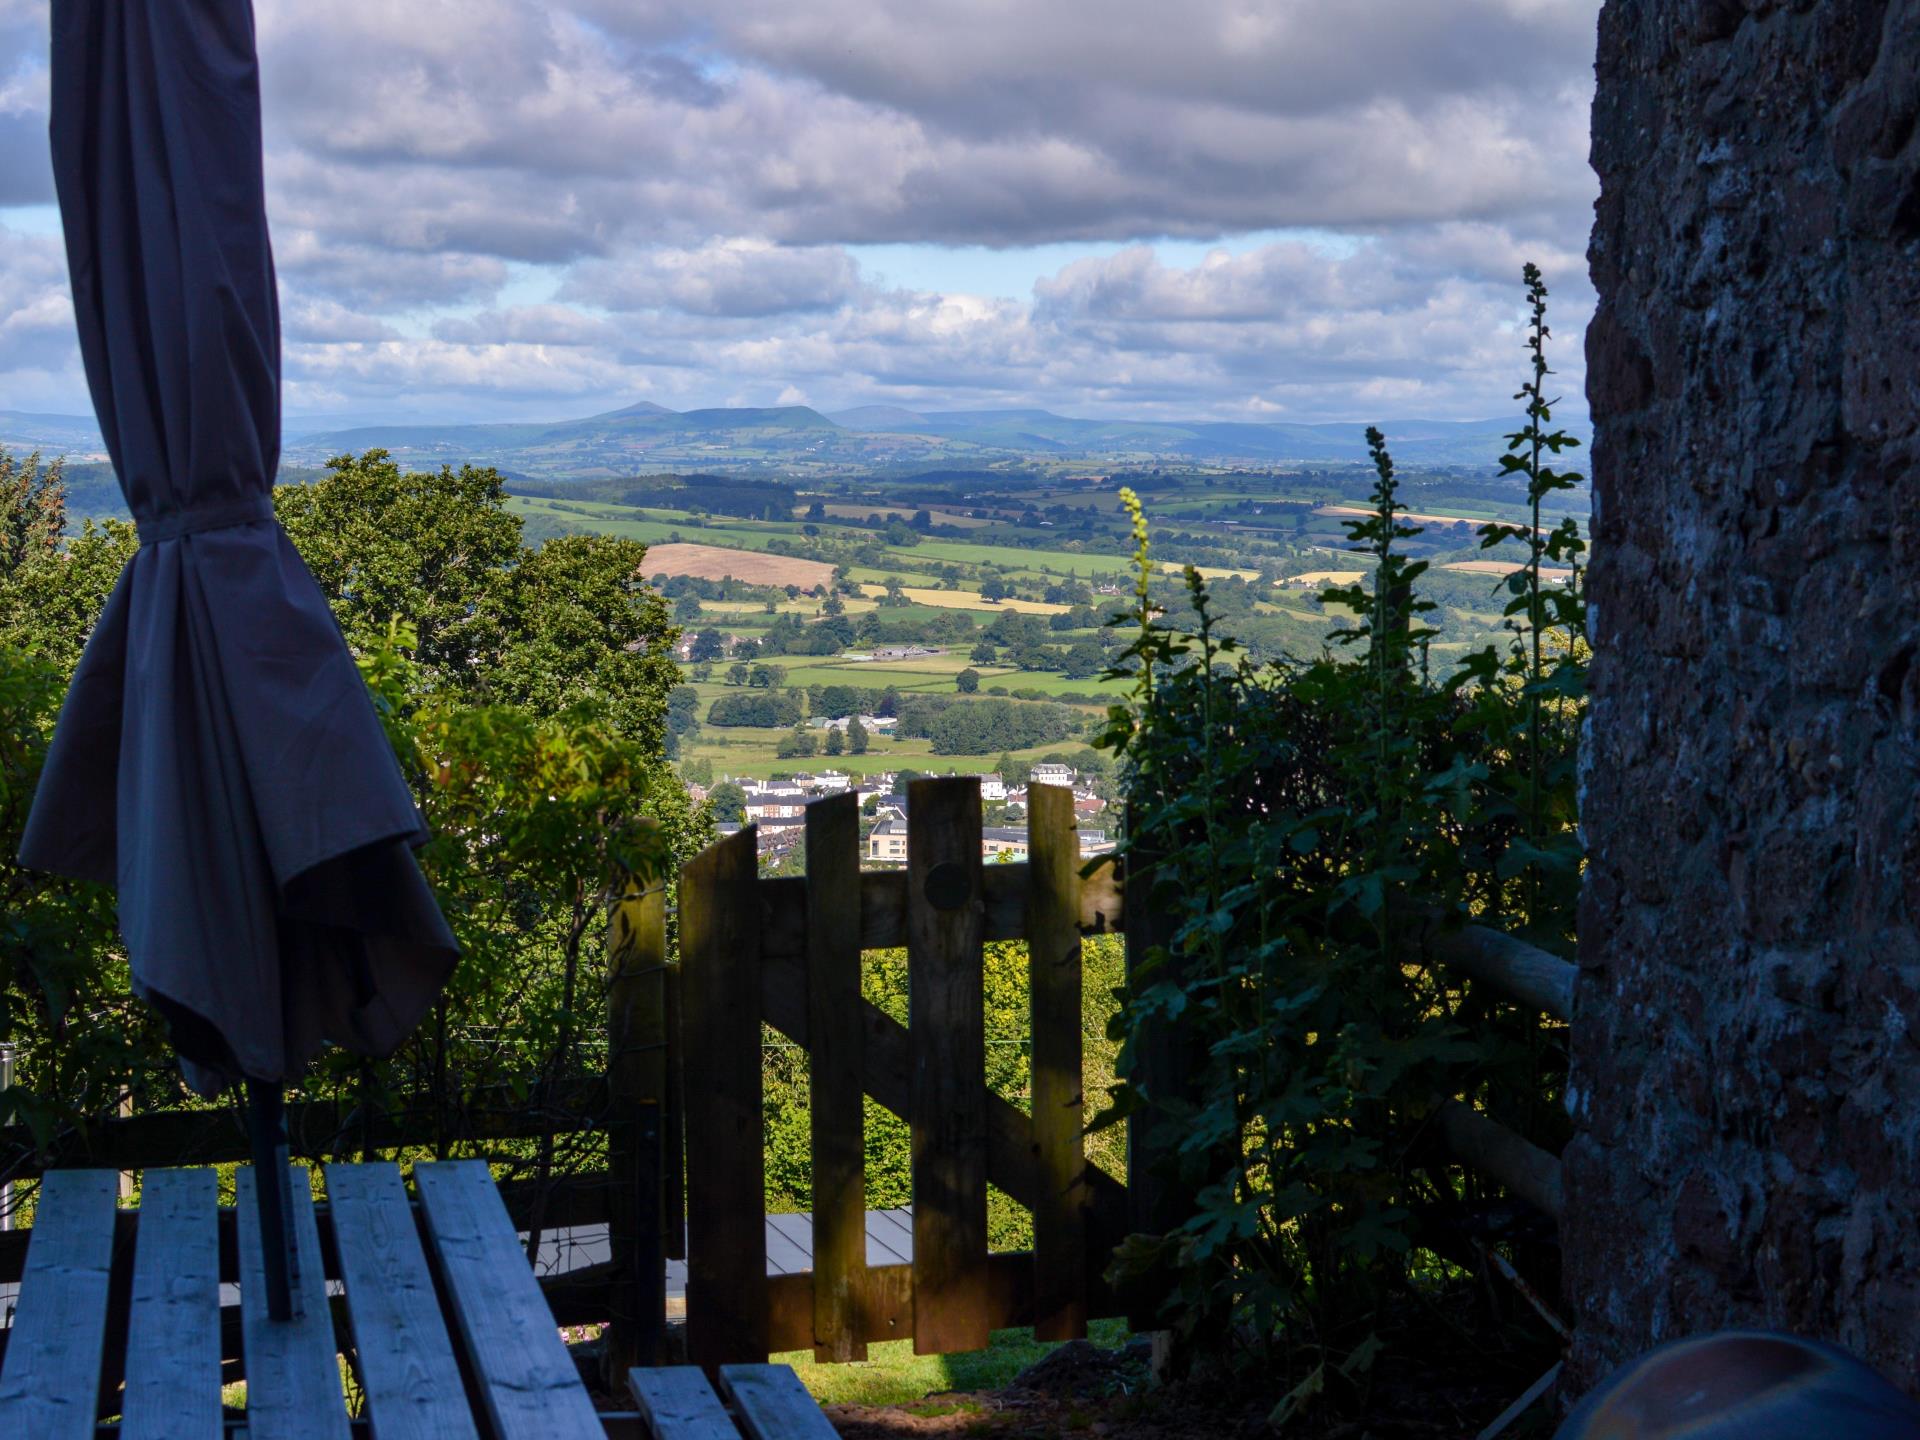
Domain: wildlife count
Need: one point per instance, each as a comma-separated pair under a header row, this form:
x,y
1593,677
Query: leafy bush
x,y
1294,828
529,717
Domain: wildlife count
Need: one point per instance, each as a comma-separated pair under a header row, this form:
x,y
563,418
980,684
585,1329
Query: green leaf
x,y
1296,1400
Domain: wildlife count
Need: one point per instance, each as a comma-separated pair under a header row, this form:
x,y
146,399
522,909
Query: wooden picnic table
x,y
451,1335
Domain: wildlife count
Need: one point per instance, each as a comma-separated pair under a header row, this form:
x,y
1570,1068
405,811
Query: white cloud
x,y
497,204
736,277
39,356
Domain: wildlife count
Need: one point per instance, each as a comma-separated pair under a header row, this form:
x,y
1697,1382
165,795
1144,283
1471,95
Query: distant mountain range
x,y
797,439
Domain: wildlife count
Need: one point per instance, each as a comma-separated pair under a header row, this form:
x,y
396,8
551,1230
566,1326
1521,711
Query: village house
x,y
887,843
996,840
872,724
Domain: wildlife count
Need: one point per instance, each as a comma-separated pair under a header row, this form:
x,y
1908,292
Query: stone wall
x,y
1746,1068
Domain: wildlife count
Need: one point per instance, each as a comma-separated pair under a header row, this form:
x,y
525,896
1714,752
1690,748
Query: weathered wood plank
x,y
673,1130
679,1404
1488,1146
946,1009
412,1380
1524,972
1053,963
293,1369
527,1380
836,1098
889,1238
773,1404
321,1127
786,1255
720,1027
883,907
50,1384
637,1096
173,1324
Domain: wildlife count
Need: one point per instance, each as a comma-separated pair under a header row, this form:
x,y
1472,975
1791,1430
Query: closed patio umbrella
x,y
217,758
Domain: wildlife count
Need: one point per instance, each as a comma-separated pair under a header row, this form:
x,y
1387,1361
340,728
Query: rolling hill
x,y
796,440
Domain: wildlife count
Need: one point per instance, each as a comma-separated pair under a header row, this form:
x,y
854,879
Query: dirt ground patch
x,y
715,562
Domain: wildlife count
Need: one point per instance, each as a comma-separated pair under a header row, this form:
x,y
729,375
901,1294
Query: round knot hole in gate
x,y
947,886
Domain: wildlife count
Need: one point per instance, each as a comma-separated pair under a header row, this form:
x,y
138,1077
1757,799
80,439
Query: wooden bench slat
x,y
173,1325
293,1369
526,1377
50,1386
773,1404
679,1404
414,1391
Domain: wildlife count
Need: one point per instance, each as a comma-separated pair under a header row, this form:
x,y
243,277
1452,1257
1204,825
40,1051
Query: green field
x,y
745,753
1226,525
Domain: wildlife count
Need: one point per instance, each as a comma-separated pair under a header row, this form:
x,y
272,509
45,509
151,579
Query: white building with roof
x,y
887,842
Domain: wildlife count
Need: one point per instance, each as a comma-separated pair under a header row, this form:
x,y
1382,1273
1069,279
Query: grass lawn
x,y
893,1375
748,753
934,674
1052,682
1035,562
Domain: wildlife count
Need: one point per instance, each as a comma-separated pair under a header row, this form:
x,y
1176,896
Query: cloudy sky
x,y
1246,209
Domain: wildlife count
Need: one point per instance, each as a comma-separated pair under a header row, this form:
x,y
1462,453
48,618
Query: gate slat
x,y
293,1369
527,1379
835,1066
673,1133
726,1175
946,1005
173,1324
50,1384
679,1404
413,1382
1053,960
772,1402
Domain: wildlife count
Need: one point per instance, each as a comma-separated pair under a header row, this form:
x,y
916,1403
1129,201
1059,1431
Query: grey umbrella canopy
x,y
217,758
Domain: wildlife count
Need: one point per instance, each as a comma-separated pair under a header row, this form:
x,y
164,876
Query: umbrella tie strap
x,y
250,510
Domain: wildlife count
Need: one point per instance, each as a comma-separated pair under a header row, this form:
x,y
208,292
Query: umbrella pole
x,y
267,1130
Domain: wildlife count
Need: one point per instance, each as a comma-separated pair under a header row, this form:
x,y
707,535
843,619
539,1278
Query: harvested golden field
x,y
1415,516
967,600
1504,567
1323,577
714,562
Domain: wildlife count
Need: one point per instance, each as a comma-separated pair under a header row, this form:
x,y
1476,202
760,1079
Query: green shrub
x,y
1296,826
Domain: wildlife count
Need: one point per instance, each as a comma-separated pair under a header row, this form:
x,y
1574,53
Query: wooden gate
x,y
787,952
